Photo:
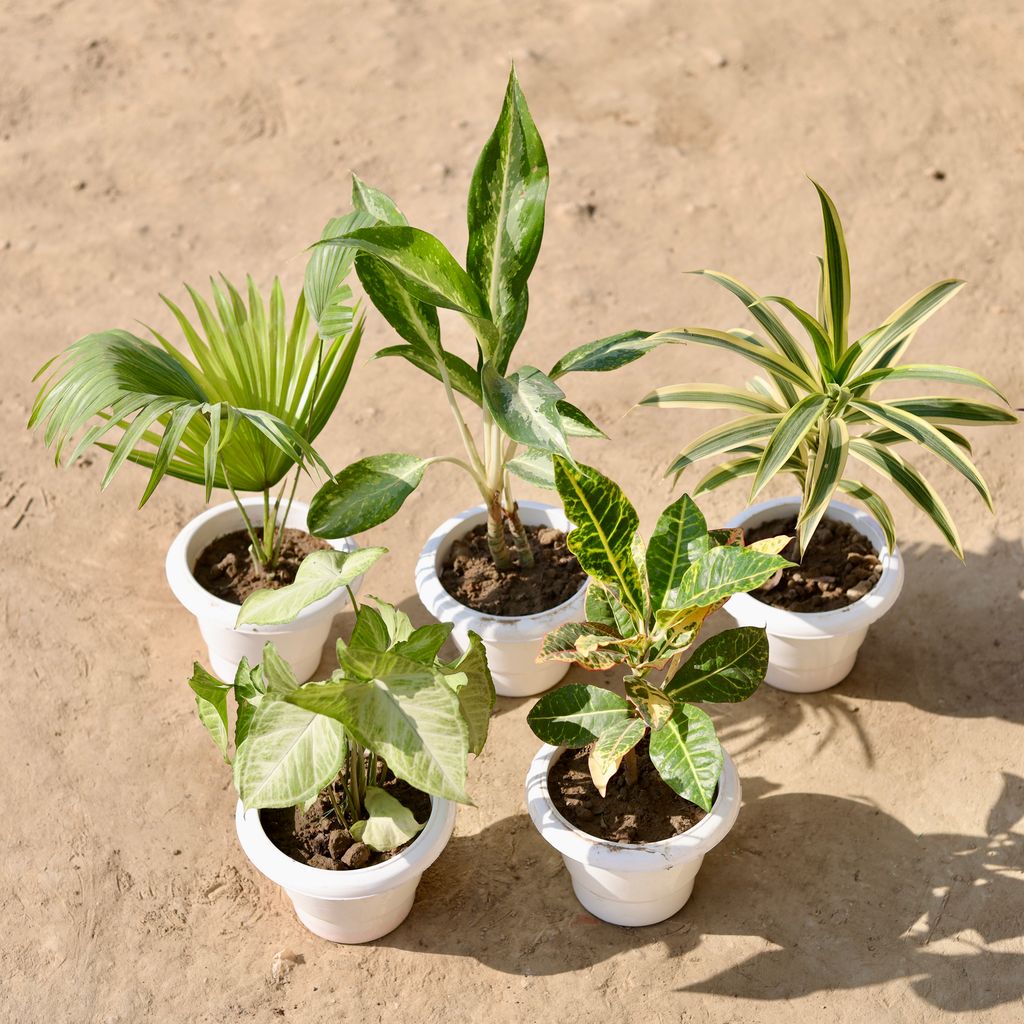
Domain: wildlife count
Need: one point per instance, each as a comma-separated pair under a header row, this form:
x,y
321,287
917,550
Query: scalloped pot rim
x,y
215,522
506,629
840,621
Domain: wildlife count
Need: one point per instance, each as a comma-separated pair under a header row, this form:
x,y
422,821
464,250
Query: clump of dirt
x,y
839,567
469,575
227,569
315,837
646,812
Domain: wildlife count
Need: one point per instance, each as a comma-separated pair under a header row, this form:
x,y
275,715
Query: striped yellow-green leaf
x,y
605,525
574,716
952,410
568,643
824,347
724,571
879,509
836,279
611,747
726,668
708,396
680,537
823,477
364,494
506,215
923,371
920,430
725,438
653,705
911,482
605,353
781,387
792,431
688,756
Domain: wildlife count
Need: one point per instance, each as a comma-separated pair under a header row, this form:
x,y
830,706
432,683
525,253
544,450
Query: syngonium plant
x,y
392,708
238,408
645,608
817,408
409,274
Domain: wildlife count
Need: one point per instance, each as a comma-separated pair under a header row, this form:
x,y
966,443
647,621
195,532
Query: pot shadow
x,y
843,893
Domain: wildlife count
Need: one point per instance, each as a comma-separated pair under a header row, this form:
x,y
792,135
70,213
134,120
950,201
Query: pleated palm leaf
x,y
817,407
238,410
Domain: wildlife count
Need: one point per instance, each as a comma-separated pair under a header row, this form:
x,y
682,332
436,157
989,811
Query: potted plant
x,y
814,410
634,790
348,787
500,569
238,409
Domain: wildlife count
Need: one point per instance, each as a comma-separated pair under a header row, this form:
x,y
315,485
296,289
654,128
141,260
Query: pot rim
x,y
604,854
839,621
504,628
202,604
321,883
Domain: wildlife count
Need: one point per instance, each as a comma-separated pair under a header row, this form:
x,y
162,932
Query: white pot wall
x,y
513,643
625,883
350,906
811,651
299,642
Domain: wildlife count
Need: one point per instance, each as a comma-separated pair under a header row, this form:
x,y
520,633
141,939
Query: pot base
x,y
352,922
810,666
619,909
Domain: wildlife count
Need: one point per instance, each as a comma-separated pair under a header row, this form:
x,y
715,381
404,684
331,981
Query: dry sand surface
x,y
875,871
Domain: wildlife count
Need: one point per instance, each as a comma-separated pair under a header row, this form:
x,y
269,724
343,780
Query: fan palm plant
x,y
238,410
818,406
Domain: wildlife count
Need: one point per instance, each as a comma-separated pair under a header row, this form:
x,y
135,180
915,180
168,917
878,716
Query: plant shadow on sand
x,y
852,899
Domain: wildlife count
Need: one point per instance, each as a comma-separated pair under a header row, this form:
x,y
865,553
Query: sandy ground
x,y
875,871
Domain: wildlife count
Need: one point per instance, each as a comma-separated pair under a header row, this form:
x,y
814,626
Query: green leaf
x,y
288,757
470,677
923,371
915,428
823,478
534,466
611,747
680,538
506,215
525,406
462,376
786,438
836,290
398,625
404,713
328,297
583,644
708,396
604,354
414,321
605,526
725,669
724,571
212,706
277,675
654,706
688,756
376,204
320,574
603,606
390,824
574,716
364,494
577,423
725,438
913,485
423,644
370,632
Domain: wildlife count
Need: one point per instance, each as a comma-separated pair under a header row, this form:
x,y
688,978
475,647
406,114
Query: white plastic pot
x,y
350,906
300,642
811,651
513,642
630,883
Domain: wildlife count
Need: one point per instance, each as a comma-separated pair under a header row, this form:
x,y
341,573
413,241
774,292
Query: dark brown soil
x,y
839,567
470,577
313,837
646,812
227,570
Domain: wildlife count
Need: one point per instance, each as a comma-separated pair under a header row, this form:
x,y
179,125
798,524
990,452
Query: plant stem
x,y
523,550
254,540
339,813
500,554
632,767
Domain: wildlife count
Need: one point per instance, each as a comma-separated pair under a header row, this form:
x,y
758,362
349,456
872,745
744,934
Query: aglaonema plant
x,y
819,407
645,609
237,407
523,413
392,708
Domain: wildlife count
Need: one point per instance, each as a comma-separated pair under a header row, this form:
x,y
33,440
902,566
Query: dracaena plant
x,y
391,709
236,407
818,406
408,274
645,608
